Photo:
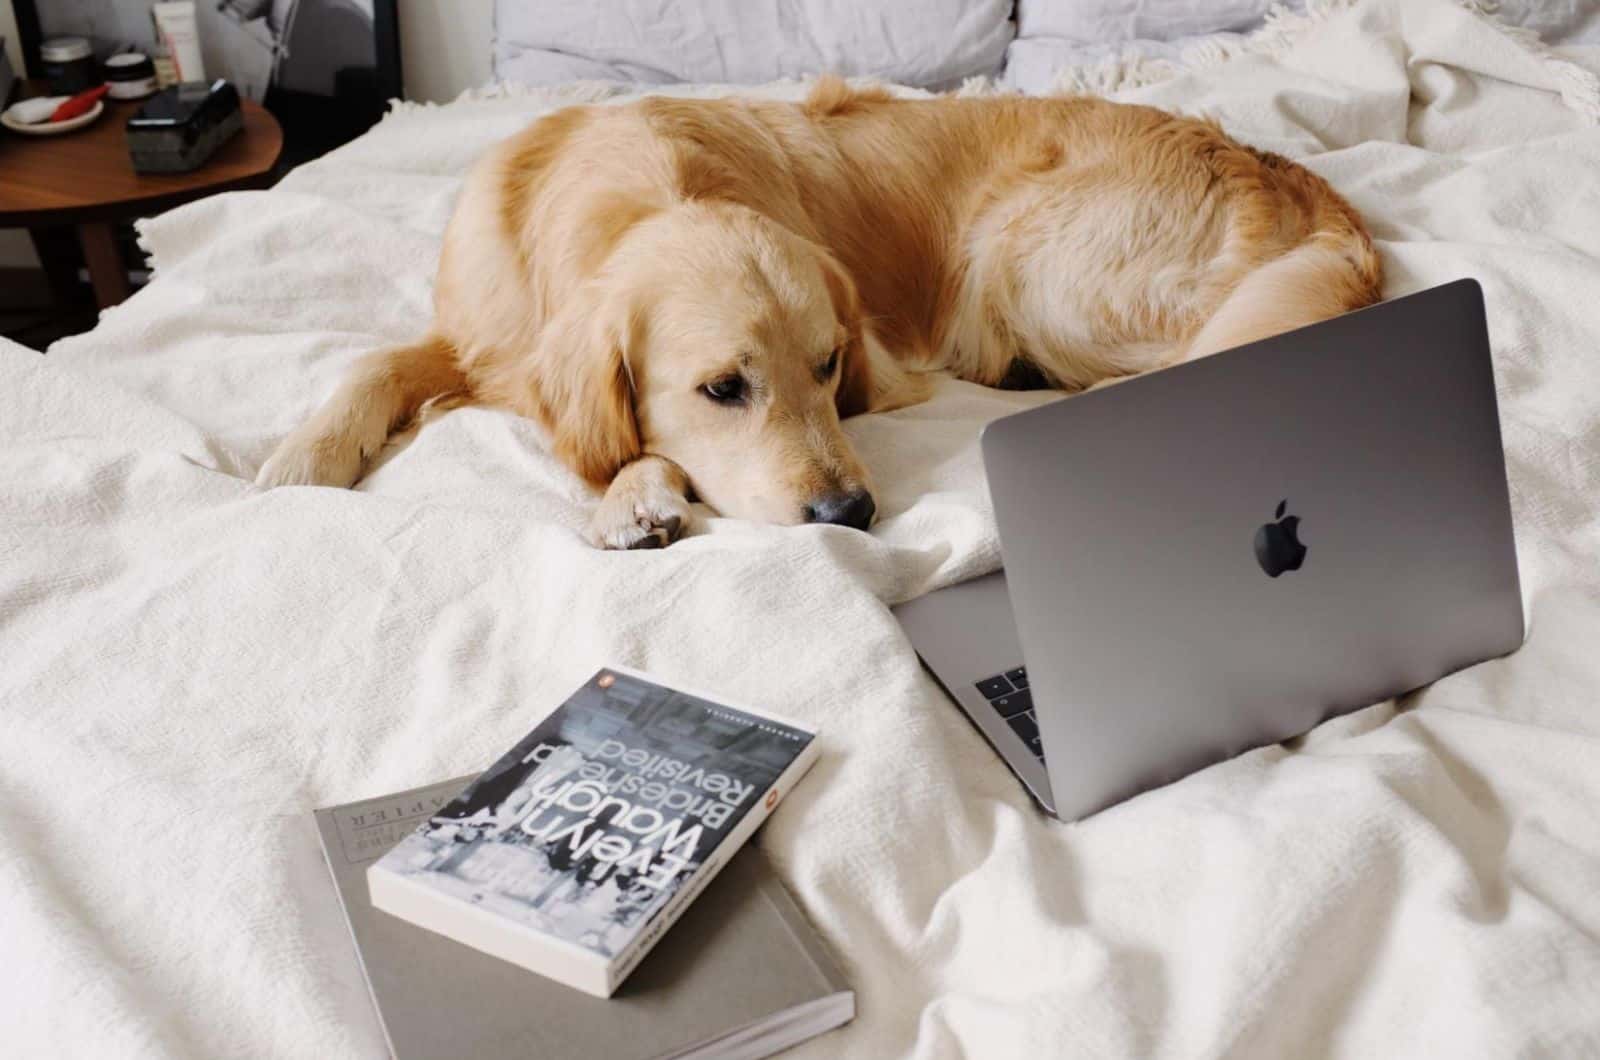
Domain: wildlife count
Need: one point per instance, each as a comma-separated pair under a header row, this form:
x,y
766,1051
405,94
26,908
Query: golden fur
x,y
608,264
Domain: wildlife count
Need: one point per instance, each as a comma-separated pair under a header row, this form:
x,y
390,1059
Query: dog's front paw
x,y
305,459
625,520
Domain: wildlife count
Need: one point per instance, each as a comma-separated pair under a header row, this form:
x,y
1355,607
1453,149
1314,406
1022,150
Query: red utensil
x,y
82,103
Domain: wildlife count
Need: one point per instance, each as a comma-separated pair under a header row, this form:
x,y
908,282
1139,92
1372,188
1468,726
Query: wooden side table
x,y
86,179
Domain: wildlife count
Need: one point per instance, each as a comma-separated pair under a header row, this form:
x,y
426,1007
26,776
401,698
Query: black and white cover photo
x,y
588,827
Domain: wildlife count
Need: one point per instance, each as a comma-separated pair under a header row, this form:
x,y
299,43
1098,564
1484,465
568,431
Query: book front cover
x,y
587,828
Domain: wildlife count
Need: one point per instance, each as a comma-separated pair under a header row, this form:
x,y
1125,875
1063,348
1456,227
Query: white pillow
x,y
928,43
1056,35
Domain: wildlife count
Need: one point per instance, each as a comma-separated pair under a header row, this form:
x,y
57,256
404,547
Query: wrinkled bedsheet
x,y
188,666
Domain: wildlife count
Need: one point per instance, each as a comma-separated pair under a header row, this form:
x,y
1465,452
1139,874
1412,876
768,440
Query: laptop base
x,y
967,639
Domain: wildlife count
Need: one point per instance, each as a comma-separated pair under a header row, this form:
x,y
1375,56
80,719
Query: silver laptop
x,y
1225,553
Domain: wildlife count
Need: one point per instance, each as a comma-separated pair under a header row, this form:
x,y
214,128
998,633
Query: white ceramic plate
x,y
51,128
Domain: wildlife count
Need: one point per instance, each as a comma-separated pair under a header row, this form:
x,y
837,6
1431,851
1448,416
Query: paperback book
x,y
574,853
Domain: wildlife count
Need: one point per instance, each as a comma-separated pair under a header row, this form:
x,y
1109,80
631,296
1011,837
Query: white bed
x,y
189,666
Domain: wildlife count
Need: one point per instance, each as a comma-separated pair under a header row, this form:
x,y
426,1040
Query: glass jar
x,y
130,75
68,65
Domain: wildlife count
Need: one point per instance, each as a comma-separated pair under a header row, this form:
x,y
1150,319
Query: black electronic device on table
x,y
179,128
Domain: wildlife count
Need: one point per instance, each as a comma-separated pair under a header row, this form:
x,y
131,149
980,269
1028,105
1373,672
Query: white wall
x,y
444,49
8,30
445,46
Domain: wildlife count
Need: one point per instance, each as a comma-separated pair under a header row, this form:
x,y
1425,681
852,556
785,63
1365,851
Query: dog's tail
x,y
383,391
1332,269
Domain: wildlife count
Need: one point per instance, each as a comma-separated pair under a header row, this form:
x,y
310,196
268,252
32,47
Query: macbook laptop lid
x,y
1225,553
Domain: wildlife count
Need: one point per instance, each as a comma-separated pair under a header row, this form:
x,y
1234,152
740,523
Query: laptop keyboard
x,y
1008,693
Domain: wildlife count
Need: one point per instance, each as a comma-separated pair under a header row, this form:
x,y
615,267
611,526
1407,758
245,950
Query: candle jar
x,y
68,65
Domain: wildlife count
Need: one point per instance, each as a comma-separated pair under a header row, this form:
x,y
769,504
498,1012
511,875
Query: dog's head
x,y
726,343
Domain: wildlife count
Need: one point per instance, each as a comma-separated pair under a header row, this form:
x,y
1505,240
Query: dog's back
x,y
1085,239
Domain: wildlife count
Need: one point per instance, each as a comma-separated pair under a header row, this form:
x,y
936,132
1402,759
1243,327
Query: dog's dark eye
x,y
729,390
830,366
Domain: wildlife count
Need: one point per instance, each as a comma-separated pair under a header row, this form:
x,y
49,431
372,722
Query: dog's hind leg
x,y
382,391
1321,278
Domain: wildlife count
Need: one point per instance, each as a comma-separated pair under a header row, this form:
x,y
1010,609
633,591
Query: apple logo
x,y
1278,546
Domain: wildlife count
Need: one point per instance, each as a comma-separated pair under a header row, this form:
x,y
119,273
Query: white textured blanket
x,y
188,666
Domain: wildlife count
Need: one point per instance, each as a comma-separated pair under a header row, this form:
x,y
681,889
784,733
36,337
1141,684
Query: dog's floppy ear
x,y
855,374
585,388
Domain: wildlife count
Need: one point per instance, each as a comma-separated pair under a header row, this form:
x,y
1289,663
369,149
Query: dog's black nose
x,y
842,509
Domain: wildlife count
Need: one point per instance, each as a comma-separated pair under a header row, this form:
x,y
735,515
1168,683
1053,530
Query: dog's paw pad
x,y
658,534
648,531
642,529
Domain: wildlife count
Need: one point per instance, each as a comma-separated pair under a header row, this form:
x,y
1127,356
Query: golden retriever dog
x,y
690,294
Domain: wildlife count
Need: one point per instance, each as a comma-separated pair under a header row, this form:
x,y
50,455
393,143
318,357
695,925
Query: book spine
x,y
328,833
753,819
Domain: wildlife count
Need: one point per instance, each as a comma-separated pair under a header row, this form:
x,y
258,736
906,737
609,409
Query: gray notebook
x,y
742,974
